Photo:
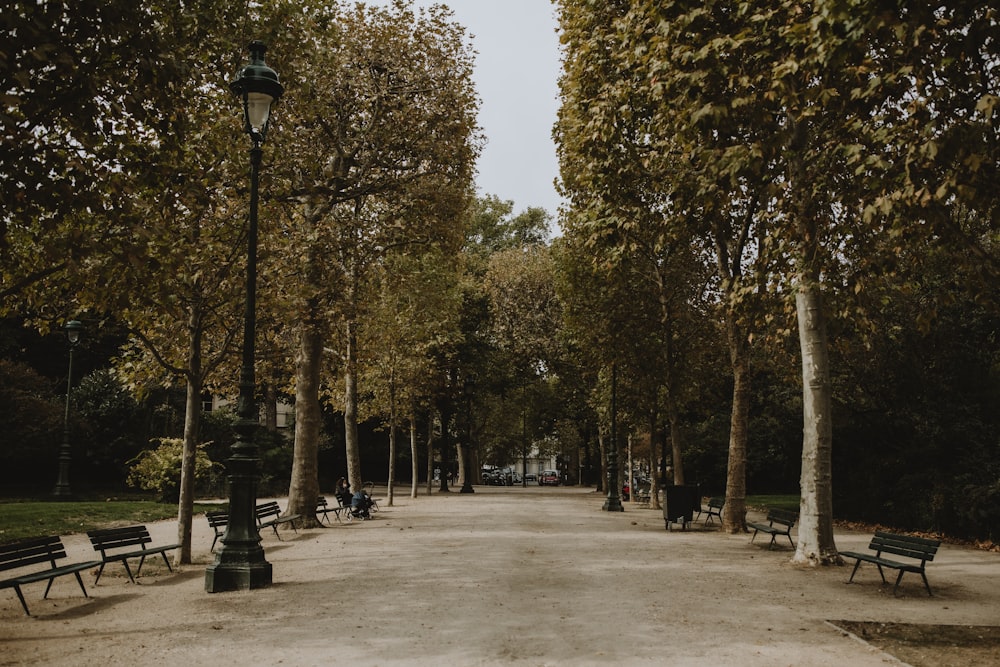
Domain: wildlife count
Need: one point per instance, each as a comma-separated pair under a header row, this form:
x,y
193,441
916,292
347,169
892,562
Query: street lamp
x,y
239,562
73,328
470,385
613,503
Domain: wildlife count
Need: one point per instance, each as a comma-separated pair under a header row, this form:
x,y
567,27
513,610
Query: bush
x,y
159,469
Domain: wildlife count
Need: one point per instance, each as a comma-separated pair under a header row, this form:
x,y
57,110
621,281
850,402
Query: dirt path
x,y
505,576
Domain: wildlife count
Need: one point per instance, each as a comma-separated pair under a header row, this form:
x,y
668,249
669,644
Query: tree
x,y
379,117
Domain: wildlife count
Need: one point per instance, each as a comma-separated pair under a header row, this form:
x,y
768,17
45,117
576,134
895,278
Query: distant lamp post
x,y
239,562
470,386
73,329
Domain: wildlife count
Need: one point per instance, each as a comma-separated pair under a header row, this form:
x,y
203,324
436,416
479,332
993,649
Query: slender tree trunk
x,y
304,485
415,463
602,448
392,441
734,511
352,445
815,526
185,504
430,452
676,443
192,423
271,407
654,495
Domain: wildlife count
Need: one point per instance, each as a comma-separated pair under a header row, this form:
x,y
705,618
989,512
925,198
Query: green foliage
x,y
159,469
31,425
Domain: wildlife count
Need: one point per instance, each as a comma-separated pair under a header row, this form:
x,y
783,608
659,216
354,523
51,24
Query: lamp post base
x,y
222,577
467,488
613,504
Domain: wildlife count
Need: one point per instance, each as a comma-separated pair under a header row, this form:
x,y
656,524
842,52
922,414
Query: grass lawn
x,y
788,502
35,518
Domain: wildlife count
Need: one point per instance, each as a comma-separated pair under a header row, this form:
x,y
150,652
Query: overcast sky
x,y
517,67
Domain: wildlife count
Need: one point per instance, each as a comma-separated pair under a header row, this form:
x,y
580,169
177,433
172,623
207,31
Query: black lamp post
x,y
470,385
613,503
62,490
239,563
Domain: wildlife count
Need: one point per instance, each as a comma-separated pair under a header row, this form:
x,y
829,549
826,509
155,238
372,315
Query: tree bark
x,y
392,442
352,445
192,423
815,526
304,485
734,511
415,463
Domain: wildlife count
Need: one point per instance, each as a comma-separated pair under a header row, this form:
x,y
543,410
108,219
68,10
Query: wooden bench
x,y
109,540
269,516
324,509
779,522
714,508
25,553
217,521
642,495
918,548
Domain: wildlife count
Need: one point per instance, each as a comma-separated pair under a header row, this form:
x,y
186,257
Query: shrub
x,y
159,469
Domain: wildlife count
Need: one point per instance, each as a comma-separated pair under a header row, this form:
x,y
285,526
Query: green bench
x,y
714,508
916,548
110,541
269,516
217,521
779,522
324,509
25,553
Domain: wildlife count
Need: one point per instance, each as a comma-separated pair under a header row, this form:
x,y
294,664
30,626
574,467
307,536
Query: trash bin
x,y
680,502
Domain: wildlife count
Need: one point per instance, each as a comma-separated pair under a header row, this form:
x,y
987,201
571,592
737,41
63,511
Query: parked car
x,y
531,478
548,477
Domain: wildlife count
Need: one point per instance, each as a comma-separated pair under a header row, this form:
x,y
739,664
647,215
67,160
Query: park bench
x,y
109,540
714,508
24,553
217,521
269,516
779,522
324,509
642,495
918,548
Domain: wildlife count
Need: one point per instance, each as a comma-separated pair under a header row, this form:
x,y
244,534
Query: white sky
x,y
516,73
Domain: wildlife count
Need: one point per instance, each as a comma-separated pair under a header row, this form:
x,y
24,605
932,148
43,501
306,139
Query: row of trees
x,y
701,211
769,166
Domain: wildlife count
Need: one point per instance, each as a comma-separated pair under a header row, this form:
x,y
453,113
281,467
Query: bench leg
x,y
165,560
790,540
926,585
857,564
20,596
100,571
898,579
79,580
128,570
753,536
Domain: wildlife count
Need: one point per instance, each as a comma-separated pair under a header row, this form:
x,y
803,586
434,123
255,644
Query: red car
x,y
548,477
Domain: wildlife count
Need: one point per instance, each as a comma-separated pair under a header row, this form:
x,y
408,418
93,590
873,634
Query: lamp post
x,y
73,328
239,563
470,385
613,503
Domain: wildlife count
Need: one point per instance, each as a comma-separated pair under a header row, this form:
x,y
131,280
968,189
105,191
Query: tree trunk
x,y
654,494
603,474
304,486
734,511
815,526
270,407
351,411
415,463
676,443
430,452
185,504
392,442
192,423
